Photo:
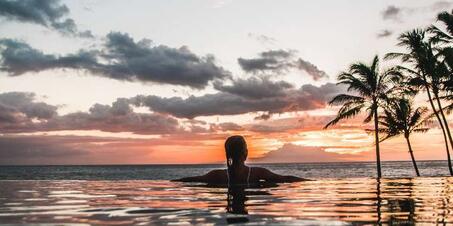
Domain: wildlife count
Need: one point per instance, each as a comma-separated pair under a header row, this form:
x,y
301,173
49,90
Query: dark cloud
x,y
308,97
384,33
295,153
19,112
121,58
162,64
311,69
276,61
391,13
118,117
20,108
255,87
264,116
280,61
48,13
18,58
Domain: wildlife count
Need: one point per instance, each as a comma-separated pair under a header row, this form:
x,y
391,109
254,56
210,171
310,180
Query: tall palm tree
x,y
400,118
427,73
370,90
440,35
443,39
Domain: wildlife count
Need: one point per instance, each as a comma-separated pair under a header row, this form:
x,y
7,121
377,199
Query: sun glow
x,y
340,141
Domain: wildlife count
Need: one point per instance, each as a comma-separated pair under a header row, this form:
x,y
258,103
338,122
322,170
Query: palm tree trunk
x,y
442,127
447,128
376,136
412,156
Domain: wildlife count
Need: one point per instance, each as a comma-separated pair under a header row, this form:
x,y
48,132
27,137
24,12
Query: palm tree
x,y
400,118
428,73
371,89
443,40
441,36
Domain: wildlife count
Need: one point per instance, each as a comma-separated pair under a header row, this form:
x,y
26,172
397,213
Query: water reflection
x,y
236,198
401,201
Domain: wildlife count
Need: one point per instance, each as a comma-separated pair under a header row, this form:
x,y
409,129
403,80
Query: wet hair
x,y
235,149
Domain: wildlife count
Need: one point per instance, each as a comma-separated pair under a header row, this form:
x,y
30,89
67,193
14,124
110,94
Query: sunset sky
x,y
150,82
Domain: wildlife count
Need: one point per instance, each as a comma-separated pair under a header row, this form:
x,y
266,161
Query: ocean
x,y
168,172
339,194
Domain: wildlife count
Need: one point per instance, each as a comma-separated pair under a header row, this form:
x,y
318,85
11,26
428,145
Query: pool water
x,y
159,202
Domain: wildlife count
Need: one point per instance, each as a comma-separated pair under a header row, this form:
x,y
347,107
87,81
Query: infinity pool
x,y
151,202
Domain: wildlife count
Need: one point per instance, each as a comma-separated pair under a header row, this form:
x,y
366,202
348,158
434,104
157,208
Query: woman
x,y
237,172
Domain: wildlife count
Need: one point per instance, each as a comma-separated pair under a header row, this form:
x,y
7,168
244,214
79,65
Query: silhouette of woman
x,y
237,173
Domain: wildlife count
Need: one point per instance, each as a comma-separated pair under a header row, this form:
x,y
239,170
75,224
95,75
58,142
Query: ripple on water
x,y
329,201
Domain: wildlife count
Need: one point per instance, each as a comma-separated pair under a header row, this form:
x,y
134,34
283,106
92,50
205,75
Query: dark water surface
x,y
156,202
340,194
168,172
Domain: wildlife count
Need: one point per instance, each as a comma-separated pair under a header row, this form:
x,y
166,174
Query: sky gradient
x,y
150,82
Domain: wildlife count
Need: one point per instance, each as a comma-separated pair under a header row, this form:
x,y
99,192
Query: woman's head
x,y
236,150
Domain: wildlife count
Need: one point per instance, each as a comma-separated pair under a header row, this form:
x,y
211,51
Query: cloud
x,y
301,122
255,87
48,13
27,150
264,116
68,149
121,58
118,117
308,97
384,33
226,126
391,13
396,13
311,69
280,61
72,149
20,108
18,58
260,128
276,61
263,39
295,153
21,113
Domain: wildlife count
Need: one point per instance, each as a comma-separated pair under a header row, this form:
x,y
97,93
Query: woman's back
x,y
250,175
237,172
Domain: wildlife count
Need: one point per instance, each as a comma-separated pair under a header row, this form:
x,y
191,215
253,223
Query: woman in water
x,y
237,172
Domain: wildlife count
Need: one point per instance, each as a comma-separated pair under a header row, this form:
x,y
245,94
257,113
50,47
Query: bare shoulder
x,y
260,171
213,176
267,175
216,173
216,176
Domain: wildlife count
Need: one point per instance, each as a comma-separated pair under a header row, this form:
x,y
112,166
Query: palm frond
x,y
343,98
345,113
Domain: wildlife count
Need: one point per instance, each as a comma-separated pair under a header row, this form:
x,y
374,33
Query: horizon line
x,y
214,163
